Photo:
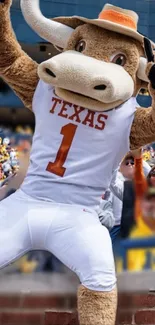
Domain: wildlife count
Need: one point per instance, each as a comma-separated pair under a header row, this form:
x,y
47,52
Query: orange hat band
x,y
118,18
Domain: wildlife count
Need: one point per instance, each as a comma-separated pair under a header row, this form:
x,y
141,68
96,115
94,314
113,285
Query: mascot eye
x,y
80,46
119,59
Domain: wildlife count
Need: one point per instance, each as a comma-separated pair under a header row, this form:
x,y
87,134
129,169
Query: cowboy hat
x,y
112,18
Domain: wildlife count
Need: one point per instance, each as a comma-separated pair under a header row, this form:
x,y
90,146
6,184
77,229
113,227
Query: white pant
x,y
74,235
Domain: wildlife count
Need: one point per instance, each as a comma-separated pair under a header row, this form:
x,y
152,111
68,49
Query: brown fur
x,y
143,127
105,48
20,71
96,308
16,67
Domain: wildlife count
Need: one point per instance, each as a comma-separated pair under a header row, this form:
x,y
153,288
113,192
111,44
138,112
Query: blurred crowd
x,y
133,190
9,163
20,138
127,208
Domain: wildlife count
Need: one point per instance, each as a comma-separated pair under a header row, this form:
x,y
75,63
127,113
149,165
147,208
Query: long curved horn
x,y
141,70
52,31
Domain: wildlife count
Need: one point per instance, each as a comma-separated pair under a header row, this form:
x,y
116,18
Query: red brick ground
x,y
61,318
51,300
136,309
28,309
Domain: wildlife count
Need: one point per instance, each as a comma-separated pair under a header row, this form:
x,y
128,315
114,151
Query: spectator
x,y
126,173
105,211
148,208
109,212
145,194
123,188
151,177
144,213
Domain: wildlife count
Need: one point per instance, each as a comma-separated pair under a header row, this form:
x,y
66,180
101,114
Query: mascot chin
x,y
87,119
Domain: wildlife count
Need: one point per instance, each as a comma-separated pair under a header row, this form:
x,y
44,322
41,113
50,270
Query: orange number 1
x,y
56,167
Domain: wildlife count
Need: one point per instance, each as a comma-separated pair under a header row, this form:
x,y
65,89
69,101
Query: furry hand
x,y
150,70
5,4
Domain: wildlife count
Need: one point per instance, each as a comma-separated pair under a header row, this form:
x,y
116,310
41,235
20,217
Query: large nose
x,y
52,74
100,87
73,71
72,78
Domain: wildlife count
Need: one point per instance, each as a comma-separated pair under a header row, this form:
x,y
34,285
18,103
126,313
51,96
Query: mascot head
x,y
102,62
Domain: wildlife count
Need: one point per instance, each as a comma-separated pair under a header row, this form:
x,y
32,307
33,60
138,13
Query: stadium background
x,y
17,122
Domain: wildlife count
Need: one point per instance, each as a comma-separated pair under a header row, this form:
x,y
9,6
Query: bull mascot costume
x,y
87,119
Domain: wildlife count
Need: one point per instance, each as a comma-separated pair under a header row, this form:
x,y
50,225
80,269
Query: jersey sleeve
x,y
106,214
117,185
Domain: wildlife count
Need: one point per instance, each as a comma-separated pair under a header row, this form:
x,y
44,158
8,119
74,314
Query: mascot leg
x,y
77,238
97,308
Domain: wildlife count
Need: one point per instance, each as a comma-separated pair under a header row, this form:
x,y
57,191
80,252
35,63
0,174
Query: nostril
x,y
48,71
100,87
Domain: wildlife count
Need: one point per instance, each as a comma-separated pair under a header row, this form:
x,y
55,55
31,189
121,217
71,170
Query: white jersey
x,y
75,150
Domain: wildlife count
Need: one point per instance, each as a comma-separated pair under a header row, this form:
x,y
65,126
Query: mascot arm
x,y
17,69
143,127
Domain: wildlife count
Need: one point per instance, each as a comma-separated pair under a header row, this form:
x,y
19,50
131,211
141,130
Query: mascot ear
x,y
141,69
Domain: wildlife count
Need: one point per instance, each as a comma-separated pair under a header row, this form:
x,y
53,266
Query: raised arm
x,y
16,67
143,127
139,177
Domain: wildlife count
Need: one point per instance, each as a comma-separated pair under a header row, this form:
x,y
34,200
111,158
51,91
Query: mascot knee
x,y
100,281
